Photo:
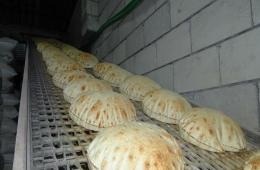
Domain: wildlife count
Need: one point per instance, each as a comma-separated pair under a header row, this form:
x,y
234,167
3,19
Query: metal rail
x,y
55,142
21,136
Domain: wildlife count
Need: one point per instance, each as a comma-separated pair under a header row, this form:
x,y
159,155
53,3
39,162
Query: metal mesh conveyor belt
x,y
57,143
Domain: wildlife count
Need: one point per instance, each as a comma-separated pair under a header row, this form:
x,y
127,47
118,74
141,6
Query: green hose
x,y
121,14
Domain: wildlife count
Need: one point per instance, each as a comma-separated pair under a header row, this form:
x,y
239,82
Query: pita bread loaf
x,y
253,163
100,110
137,86
165,106
116,76
61,79
55,43
212,130
64,66
87,60
69,50
135,146
42,45
57,60
49,50
72,90
102,68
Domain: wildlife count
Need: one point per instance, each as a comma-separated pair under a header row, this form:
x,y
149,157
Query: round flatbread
x,y
62,66
61,79
116,76
253,163
100,110
165,105
72,90
135,146
87,60
112,73
212,130
101,68
136,87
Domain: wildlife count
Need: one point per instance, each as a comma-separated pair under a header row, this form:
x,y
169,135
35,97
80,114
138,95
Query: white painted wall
x,y
208,50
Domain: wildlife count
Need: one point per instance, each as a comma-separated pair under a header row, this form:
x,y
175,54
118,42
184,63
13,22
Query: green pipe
x,y
121,14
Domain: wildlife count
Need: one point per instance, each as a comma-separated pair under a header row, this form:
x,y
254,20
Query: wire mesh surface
x,y
57,143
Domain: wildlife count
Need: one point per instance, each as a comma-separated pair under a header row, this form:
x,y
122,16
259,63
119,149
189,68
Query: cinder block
x,y
219,21
163,76
119,6
129,64
91,23
126,26
108,10
99,41
104,15
143,11
107,32
109,58
152,75
119,53
182,9
145,59
113,39
256,11
135,41
158,3
240,59
92,7
198,71
111,6
96,52
101,6
103,49
239,102
174,45
153,28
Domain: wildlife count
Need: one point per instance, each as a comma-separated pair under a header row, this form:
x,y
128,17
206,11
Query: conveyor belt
x,y
57,143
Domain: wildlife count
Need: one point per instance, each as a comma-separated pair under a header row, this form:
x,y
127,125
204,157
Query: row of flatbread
x,y
95,106
51,48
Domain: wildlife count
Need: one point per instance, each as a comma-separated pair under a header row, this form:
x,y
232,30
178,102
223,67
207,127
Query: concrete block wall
x,y
207,50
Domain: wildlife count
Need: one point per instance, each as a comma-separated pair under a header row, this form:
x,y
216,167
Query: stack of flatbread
x,y
212,130
165,106
61,79
100,110
136,87
57,61
135,146
111,73
72,90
